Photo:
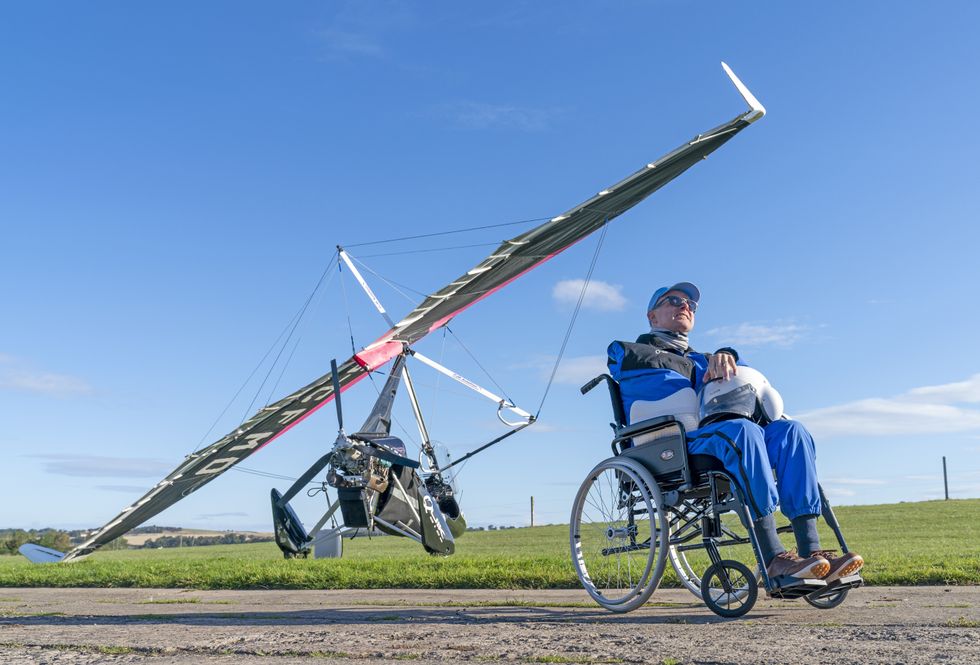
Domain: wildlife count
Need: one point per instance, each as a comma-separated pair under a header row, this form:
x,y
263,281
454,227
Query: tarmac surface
x,y
161,626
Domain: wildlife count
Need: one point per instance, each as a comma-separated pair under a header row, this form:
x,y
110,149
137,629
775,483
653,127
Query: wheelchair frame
x,y
650,501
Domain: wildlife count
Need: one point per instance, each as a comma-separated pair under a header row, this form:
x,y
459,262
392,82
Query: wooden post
x,y
532,509
945,480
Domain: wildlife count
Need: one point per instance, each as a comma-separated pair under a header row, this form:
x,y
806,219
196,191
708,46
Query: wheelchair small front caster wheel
x,y
729,588
827,600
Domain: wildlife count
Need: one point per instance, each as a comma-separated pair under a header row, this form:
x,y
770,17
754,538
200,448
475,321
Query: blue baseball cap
x,y
686,288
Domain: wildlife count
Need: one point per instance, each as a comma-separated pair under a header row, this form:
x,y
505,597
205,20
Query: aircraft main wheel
x,y
829,600
618,537
729,588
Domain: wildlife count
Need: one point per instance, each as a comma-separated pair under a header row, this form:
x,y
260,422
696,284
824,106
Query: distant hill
x,y
172,536
144,536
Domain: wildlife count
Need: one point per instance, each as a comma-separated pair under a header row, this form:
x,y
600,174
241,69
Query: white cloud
x,y
103,467
926,410
16,376
124,489
855,481
482,115
210,516
544,428
341,42
760,334
840,491
577,370
960,391
598,295
361,29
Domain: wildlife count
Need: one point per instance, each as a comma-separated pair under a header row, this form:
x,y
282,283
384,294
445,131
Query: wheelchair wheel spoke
x,y
617,541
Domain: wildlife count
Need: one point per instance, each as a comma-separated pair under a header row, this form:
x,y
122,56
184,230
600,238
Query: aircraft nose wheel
x,y
729,588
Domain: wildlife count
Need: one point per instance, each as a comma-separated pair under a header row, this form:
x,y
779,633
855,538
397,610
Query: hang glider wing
x,y
524,252
511,260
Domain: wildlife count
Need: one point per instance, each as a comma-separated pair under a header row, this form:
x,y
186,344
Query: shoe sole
x,y
817,570
849,568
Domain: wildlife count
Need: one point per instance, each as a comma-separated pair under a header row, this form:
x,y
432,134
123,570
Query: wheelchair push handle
x,y
594,382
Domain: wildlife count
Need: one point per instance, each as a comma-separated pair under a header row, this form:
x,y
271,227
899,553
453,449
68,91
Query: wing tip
x,y
38,554
757,110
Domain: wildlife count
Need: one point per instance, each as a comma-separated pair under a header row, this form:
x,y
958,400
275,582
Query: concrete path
x,y
161,626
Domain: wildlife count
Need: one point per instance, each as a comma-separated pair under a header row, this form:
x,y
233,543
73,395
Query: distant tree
x,y
13,539
58,540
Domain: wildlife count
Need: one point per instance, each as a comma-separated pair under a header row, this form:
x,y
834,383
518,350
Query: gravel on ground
x,y
890,625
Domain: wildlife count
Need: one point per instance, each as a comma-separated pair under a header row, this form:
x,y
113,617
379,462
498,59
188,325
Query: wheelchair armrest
x,y
645,426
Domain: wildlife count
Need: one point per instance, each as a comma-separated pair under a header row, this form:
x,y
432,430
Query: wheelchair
x,y
652,502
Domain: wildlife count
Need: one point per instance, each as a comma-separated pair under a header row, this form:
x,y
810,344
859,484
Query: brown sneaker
x,y
788,563
840,566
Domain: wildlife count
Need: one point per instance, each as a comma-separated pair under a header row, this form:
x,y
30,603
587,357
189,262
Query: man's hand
x,y
720,366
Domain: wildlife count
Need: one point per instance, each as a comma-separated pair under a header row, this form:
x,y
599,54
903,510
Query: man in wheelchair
x,y
660,375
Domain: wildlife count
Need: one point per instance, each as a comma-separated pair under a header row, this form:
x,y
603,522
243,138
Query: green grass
x,y
935,542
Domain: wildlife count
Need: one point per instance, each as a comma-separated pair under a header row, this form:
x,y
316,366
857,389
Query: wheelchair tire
x,y
729,588
828,601
618,539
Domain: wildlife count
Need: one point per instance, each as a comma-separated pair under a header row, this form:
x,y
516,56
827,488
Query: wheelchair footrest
x,y
849,582
787,586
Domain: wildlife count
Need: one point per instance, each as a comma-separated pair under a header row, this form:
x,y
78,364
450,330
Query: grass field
x,y
935,542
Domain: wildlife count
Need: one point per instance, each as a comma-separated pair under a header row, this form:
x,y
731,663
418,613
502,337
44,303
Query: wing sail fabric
x,y
526,251
512,259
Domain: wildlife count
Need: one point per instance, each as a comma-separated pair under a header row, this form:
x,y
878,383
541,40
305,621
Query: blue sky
x,y
176,177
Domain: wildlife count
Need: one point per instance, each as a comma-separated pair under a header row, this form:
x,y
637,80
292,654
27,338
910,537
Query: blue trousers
x,y
751,453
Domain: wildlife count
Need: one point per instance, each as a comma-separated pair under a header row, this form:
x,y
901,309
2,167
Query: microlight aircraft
x,y
378,486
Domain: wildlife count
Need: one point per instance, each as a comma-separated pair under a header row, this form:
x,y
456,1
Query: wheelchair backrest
x,y
659,443
653,382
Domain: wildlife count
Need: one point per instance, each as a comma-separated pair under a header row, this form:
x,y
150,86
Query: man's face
x,y
678,319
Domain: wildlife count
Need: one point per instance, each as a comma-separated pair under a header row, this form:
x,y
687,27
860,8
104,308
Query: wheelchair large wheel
x,y
729,588
687,573
618,539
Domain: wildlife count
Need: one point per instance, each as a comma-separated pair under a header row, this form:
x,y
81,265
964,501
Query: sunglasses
x,y
677,301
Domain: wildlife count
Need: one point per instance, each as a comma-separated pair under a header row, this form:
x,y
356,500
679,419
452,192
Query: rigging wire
x,y
242,387
292,323
285,365
438,386
434,249
478,364
571,323
393,284
288,337
299,338
263,474
446,233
